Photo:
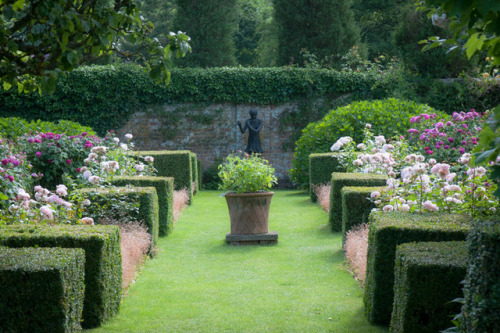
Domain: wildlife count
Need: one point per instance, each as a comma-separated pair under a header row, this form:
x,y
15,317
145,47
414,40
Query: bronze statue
x,y
254,125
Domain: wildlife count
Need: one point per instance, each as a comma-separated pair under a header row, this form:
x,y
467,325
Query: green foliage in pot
x,y
246,173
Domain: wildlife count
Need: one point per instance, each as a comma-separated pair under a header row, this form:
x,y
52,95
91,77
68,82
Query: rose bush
x,y
446,139
431,186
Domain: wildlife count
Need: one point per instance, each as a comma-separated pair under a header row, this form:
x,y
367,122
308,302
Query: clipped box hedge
x,y
482,283
428,277
148,204
389,229
194,170
199,165
176,164
356,206
103,262
340,180
321,167
164,189
41,289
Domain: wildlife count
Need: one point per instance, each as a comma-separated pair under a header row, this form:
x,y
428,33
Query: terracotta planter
x,y
249,212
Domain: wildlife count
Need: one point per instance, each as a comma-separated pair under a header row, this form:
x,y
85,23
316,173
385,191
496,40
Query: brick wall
x,y
211,131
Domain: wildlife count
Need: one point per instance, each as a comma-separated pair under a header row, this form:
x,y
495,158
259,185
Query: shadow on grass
x,y
360,315
228,249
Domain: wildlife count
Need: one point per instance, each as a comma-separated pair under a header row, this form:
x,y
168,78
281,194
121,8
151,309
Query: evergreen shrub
x,y
199,165
176,164
41,289
321,167
481,310
103,265
165,191
194,170
356,206
428,278
147,199
389,229
339,180
389,117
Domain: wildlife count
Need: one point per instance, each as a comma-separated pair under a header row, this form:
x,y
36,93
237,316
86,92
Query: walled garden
x,y
371,173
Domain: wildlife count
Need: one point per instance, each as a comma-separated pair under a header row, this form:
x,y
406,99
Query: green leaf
x,y
6,85
19,4
475,43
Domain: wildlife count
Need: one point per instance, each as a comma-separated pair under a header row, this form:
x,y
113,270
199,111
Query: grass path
x,y
197,283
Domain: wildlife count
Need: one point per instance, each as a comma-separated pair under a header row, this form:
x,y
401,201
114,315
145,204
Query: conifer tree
x,y
322,27
212,25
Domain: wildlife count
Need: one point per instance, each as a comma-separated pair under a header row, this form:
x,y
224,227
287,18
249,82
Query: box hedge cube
x,y
321,167
41,289
200,174
482,284
145,196
428,277
387,231
340,180
194,169
103,262
356,206
176,164
164,189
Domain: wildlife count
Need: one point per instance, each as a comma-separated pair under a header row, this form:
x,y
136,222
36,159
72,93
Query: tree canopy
x,y
41,39
476,29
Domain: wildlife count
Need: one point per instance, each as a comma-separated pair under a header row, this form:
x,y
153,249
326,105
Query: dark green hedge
x,y
41,289
164,189
482,284
339,180
104,97
321,167
176,164
389,229
103,264
148,205
199,165
194,170
356,206
428,277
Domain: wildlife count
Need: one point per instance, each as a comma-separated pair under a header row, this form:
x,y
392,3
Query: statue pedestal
x,y
253,239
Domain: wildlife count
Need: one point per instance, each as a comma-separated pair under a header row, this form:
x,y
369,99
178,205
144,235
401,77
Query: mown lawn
x,y
197,283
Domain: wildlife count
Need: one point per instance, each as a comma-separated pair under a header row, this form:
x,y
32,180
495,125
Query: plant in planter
x,y
247,180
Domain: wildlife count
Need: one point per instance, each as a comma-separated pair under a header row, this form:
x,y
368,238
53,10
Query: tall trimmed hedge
x,y
321,167
41,289
104,97
387,231
176,164
428,277
103,264
339,181
164,189
388,117
148,205
482,285
200,174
